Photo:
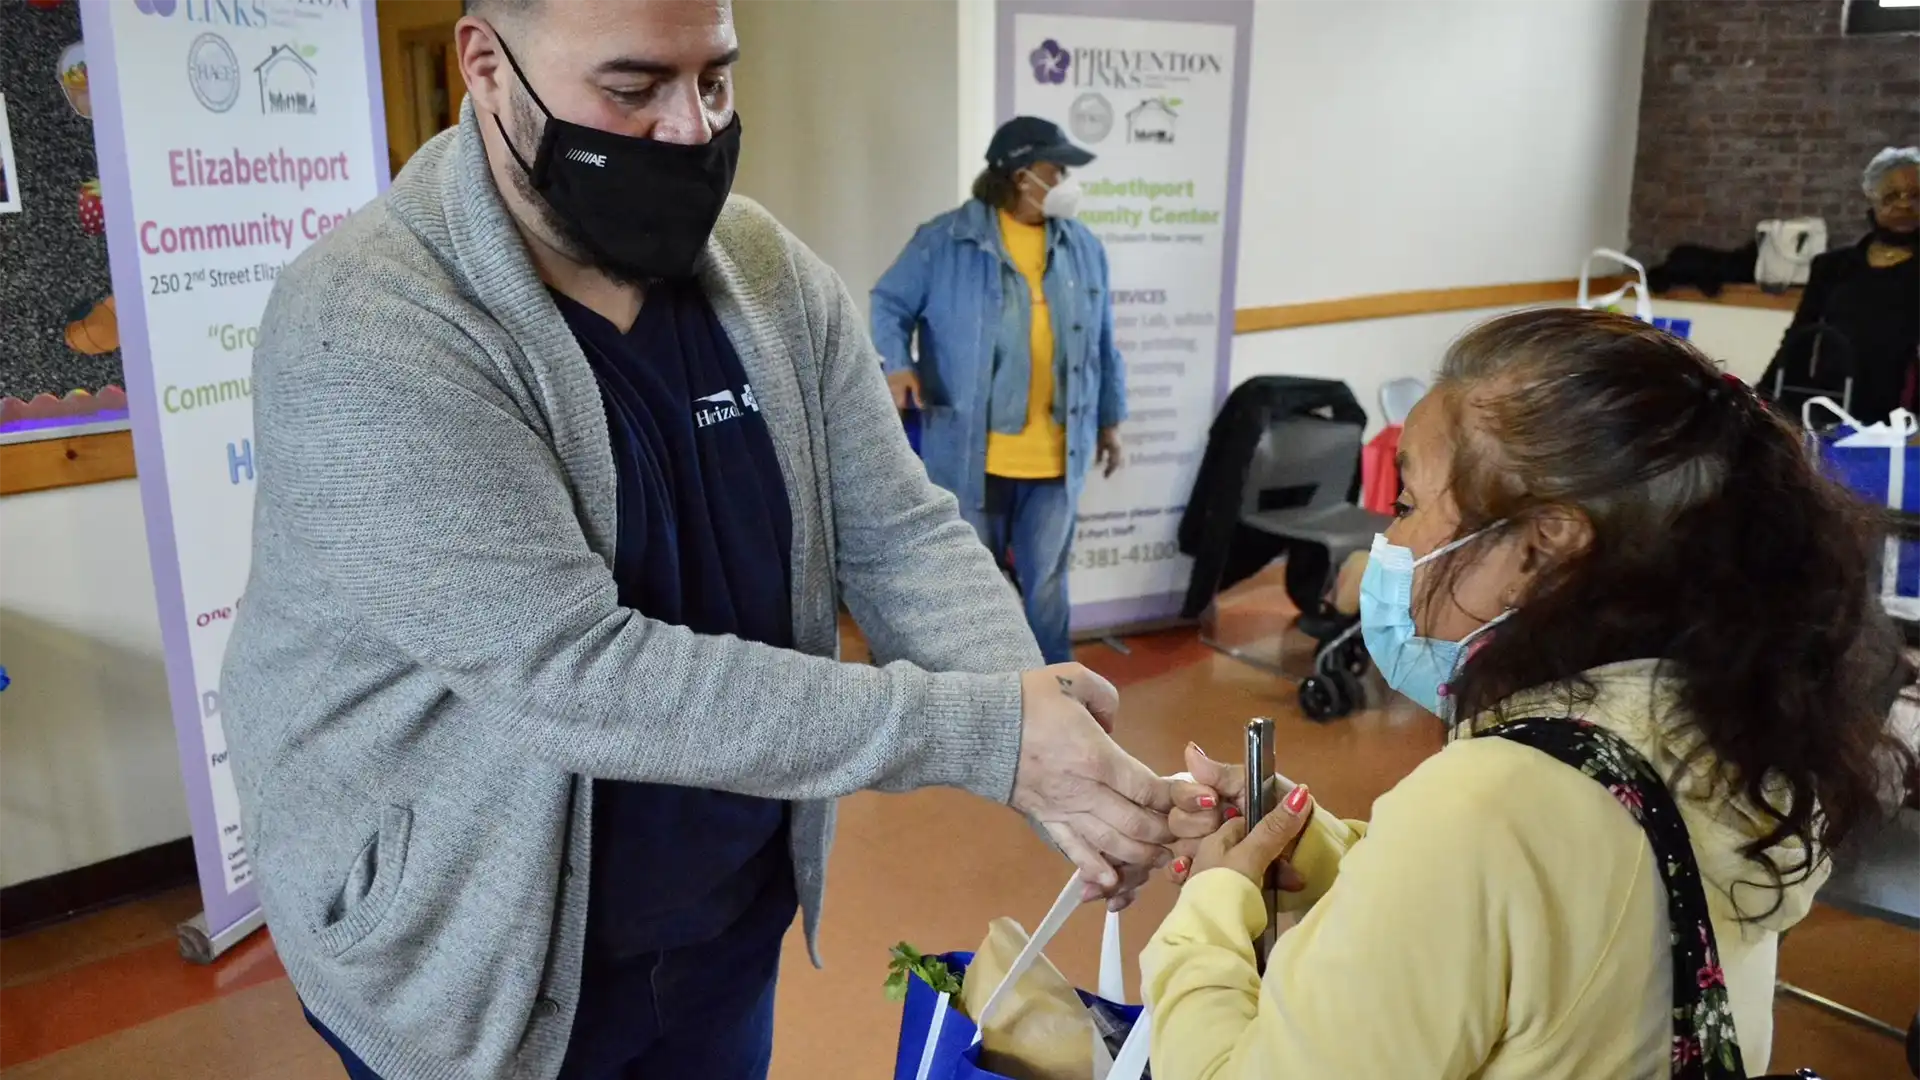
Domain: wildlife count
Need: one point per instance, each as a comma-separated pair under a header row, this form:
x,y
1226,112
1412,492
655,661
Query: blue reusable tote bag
x,y
938,1042
1875,462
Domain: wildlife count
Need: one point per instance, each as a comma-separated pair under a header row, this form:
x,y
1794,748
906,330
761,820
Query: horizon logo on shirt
x,y
723,406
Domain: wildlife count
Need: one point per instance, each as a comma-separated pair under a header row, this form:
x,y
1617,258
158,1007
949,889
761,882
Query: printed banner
x,y
1158,91
231,134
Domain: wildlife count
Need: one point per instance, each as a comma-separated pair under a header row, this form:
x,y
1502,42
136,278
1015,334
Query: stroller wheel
x,y
1351,690
1323,698
1354,658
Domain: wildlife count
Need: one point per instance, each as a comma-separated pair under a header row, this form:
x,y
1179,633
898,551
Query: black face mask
x,y
1888,238
642,208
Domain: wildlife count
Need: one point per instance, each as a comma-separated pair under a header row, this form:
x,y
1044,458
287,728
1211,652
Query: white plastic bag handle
x,y
1113,971
1827,403
1135,1053
1900,425
1642,294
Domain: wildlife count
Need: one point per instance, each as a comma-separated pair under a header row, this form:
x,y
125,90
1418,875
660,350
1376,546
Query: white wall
x,y
1402,144
849,111
88,768
1405,144
977,118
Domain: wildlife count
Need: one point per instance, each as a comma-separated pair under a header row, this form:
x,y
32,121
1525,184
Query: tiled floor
x,y
108,996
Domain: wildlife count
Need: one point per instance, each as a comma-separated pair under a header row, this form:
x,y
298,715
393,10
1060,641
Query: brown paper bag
x,y
1042,1031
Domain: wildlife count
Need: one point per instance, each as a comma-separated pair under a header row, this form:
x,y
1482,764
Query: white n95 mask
x,y
1063,199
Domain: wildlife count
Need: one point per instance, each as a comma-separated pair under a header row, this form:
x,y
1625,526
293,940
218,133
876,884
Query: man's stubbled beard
x,y
561,233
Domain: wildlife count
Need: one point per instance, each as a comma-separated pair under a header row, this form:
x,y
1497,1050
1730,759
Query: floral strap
x,y
1705,1046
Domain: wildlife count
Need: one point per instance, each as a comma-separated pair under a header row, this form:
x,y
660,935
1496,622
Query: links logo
x,y
1120,69
213,72
246,13
1050,63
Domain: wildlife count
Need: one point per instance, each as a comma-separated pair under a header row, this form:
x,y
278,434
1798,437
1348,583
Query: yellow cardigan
x,y
1499,917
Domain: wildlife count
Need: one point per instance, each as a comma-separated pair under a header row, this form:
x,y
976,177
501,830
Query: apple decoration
x,y
93,212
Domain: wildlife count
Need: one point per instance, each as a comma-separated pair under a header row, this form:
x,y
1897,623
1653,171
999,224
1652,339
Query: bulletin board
x,y
60,366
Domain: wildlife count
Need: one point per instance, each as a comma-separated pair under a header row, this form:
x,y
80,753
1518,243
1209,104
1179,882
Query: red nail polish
x,y
1180,866
1297,799
1207,802
1232,812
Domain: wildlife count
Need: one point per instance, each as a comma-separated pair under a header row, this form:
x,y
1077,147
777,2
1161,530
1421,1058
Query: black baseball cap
x,y
1028,140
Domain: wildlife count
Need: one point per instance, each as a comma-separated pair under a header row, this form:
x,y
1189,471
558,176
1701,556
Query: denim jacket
x,y
950,285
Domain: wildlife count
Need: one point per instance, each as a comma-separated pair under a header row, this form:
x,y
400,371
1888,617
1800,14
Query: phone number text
x,y
1100,558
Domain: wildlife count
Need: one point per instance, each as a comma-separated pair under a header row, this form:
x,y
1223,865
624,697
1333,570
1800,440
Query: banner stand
x,y
1157,91
199,947
229,137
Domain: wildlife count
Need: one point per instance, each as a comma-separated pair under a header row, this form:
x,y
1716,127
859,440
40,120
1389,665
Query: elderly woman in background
x,y
1868,295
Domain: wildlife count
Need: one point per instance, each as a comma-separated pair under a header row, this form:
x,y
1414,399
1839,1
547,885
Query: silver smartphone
x,y
1260,803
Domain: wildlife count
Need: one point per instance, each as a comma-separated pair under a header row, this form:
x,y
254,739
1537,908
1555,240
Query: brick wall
x,y
1757,109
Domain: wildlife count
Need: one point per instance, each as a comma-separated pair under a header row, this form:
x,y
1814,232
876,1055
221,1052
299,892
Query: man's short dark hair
x,y
995,187
496,9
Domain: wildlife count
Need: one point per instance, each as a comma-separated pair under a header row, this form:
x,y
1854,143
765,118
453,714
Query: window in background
x,y
1883,17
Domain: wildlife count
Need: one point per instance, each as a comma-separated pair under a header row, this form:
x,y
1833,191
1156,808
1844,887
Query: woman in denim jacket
x,y
1017,376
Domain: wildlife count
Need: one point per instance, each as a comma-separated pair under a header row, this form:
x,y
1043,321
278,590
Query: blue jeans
x,y
703,1011
1029,524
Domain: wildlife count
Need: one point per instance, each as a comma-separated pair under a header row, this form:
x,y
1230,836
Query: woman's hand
x,y
905,386
1249,852
1200,804
1216,793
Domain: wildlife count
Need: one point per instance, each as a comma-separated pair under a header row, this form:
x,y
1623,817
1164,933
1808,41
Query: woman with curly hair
x,y
1651,626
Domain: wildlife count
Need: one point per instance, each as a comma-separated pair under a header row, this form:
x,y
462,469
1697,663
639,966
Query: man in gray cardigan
x,y
480,624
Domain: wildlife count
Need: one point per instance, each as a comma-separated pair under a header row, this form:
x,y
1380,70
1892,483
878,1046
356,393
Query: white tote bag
x,y
1131,1063
1786,253
1642,295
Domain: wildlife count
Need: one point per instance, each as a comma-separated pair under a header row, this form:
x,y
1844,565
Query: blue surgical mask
x,y
1419,667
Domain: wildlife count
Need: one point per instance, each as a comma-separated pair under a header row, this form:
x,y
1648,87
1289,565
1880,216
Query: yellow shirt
x,y
1500,917
1040,451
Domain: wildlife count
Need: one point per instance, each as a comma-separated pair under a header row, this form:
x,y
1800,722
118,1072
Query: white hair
x,y
1884,162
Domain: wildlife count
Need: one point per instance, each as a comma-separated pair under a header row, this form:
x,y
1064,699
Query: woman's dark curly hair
x,y
1717,546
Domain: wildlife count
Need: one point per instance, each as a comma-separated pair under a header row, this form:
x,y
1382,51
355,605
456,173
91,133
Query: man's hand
x,y
1103,809
906,389
1107,456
